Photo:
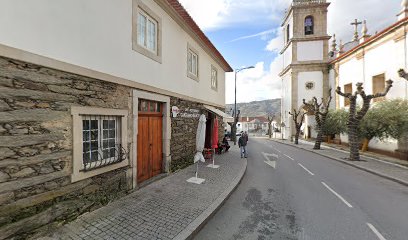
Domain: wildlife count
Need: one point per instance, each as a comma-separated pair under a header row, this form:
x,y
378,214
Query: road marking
x,y
337,195
376,232
268,160
307,170
289,157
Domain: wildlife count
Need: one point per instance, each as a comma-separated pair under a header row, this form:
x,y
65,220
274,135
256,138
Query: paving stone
x,y
160,210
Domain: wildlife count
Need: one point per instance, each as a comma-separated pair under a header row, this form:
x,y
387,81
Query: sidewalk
x,y
373,164
170,208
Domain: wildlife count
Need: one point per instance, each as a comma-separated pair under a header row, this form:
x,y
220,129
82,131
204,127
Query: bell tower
x,y
305,72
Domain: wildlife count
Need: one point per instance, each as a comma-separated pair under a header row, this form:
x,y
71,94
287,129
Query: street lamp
x,y
235,105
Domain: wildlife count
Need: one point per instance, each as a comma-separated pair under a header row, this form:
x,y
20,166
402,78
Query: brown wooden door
x,y
149,145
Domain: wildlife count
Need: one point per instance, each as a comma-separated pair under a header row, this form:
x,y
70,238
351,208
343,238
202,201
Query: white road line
x,y
337,195
376,231
289,157
307,170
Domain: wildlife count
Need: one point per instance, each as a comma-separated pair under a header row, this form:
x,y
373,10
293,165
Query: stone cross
x,y
356,23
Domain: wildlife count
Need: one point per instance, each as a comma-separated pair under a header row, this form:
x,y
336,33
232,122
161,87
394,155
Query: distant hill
x,y
257,108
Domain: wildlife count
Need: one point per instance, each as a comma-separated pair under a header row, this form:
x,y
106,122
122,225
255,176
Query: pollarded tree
x,y
298,117
320,111
355,116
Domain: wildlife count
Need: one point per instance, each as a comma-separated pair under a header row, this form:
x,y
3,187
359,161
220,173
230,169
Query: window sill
x,y
81,175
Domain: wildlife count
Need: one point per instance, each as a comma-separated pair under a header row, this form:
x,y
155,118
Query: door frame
x,y
166,132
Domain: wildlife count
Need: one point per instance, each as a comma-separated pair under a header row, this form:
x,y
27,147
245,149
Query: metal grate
x,y
101,141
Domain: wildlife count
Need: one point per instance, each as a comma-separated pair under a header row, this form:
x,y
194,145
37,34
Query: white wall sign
x,y
186,113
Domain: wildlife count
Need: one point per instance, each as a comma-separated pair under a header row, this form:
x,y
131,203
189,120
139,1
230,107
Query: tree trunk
x,y
319,140
354,142
364,148
297,136
234,134
270,131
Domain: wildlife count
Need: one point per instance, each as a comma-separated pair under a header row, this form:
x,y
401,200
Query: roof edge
x,y
371,40
188,22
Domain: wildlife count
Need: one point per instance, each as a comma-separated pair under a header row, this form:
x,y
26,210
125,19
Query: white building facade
x,y
373,61
305,69
310,69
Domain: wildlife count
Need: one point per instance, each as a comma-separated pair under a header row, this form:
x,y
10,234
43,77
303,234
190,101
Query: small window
x,y
309,25
101,141
214,78
287,33
149,106
348,88
192,64
309,85
147,31
378,86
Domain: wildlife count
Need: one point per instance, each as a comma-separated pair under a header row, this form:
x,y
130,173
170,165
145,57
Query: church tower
x,y
305,54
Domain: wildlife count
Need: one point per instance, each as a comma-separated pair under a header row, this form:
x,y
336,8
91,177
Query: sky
x,y
248,33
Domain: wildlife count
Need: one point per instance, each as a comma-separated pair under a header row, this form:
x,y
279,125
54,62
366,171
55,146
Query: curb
x,y
195,226
402,182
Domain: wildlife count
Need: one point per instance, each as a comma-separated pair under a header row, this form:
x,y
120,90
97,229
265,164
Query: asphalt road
x,y
308,196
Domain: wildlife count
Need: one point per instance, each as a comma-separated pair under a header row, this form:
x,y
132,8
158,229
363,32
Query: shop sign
x,y
185,113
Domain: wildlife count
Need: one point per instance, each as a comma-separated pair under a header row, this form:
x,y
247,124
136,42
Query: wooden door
x,y
149,143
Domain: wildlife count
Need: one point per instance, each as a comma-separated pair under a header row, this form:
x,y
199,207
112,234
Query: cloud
x,y
218,14
255,84
263,81
263,35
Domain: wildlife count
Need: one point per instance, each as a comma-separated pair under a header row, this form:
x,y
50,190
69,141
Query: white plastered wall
x,y
386,58
97,34
310,51
286,102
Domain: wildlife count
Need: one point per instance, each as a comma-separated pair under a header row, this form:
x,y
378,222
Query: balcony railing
x,y
307,2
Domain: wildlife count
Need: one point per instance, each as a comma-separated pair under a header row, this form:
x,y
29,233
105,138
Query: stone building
x,y
97,97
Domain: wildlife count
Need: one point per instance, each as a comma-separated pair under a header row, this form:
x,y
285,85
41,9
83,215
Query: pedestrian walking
x,y
242,144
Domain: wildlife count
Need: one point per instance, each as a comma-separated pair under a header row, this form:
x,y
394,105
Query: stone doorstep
x,y
367,169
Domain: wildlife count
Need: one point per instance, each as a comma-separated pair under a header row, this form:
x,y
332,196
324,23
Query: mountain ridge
x,y
256,108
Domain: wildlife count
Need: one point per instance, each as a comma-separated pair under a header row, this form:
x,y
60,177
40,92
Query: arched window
x,y
287,33
309,25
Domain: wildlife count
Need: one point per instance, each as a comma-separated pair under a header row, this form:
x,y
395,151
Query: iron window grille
x,y
101,141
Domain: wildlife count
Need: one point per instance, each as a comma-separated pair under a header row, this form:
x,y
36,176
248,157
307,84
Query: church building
x,y
305,55
312,65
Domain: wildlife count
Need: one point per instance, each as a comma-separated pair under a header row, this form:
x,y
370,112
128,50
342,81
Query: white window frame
x,y
77,129
140,8
194,73
146,32
214,78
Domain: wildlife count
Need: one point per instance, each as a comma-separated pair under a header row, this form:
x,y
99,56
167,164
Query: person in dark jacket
x,y
225,143
242,143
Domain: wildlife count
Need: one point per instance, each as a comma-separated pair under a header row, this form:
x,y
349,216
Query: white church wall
x,y
332,85
303,93
392,58
350,71
287,56
286,102
310,51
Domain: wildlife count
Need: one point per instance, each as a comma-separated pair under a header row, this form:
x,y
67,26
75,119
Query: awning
x,y
227,118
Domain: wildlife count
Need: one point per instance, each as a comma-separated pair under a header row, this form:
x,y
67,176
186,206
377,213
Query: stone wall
x,y
183,133
36,147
